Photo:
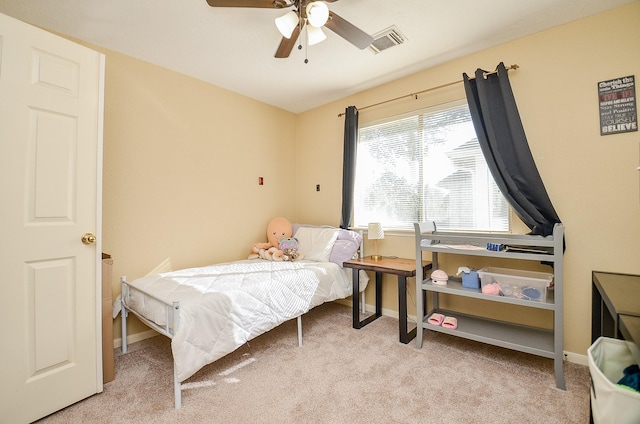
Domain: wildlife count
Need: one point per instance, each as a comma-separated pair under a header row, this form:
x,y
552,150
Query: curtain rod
x,y
512,67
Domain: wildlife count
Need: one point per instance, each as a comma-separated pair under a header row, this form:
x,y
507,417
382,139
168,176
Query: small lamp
x,y
375,233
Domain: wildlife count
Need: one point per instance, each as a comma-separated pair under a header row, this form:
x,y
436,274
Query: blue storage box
x,y
470,280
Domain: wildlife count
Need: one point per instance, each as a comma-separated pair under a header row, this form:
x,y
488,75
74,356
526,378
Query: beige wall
x,y
181,165
592,180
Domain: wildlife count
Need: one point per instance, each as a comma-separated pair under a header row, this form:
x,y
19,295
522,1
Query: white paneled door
x,y
51,94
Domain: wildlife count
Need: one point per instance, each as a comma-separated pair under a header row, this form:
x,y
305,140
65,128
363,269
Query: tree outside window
x,y
426,166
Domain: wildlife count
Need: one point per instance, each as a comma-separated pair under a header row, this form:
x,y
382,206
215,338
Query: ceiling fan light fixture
x,y
315,35
287,23
317,13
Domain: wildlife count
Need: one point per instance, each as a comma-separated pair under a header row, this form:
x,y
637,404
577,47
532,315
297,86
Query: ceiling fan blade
x,y
348,31
266,4
286,44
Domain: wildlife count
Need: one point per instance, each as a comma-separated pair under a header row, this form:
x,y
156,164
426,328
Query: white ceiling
x,y
233,48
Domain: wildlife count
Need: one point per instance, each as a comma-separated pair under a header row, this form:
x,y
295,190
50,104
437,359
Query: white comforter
x,y
223,306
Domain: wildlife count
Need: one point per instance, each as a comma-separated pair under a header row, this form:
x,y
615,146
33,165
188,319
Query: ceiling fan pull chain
x,y
305,36
306,49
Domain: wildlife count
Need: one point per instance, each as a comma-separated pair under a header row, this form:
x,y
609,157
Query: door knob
x,y
88,238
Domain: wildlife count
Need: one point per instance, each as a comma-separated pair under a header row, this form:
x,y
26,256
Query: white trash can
x,y
610,402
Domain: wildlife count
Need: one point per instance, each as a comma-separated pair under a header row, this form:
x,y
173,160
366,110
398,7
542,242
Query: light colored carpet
x,y
340,375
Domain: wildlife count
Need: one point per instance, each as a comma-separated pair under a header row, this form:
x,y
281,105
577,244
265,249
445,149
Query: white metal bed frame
x,y
172,319
172,316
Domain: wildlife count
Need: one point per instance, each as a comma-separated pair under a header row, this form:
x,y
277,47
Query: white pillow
x,y
315,243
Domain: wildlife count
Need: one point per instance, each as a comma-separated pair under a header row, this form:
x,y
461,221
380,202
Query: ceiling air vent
x,y
386,38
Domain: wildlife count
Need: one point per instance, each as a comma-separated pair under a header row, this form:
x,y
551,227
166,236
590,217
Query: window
x,y
426,166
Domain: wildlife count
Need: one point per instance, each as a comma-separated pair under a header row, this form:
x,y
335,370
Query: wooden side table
x,y
401,267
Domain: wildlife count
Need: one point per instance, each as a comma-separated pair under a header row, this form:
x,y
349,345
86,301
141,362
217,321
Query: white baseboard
x,y
575,358
135,337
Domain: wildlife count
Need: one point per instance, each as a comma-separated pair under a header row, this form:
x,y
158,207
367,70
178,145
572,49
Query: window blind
x,y
426,166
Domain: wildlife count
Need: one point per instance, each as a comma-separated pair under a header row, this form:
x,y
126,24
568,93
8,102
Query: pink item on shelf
x,y
493,289
435,319
450,322
439,277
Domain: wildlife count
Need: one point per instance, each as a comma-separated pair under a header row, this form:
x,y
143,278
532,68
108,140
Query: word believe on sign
x,y
618,113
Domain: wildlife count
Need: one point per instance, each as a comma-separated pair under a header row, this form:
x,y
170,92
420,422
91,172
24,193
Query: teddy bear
x,y
289,247
277,229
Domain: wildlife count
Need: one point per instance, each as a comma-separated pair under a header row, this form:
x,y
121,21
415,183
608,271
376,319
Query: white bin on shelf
x,y
517,283
611,403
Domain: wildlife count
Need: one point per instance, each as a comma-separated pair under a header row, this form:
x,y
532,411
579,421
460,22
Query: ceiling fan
x,y
313,14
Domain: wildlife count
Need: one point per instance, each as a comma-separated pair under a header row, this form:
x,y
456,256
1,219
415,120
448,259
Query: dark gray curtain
x,y
349,164
506,150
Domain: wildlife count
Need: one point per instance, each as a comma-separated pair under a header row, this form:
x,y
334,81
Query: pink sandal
x,y
450,322
435,319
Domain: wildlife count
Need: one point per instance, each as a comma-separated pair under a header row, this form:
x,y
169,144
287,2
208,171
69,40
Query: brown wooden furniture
x,y
108,362
401,267
615,306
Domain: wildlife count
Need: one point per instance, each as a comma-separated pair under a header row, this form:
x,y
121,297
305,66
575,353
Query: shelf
x,y
481,239
451,249
454,287
531,340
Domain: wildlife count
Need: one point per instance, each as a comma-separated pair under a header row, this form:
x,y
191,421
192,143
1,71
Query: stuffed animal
x,y
277,228
289,247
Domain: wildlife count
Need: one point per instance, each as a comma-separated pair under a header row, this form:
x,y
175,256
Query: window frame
x,y
431,109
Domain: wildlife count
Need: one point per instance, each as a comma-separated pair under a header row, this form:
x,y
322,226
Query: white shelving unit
x,y
536,341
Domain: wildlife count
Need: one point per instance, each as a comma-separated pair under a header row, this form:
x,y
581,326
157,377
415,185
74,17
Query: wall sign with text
x,y
618,113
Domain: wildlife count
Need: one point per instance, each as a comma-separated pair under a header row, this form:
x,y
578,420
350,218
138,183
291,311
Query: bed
x,y
211,311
